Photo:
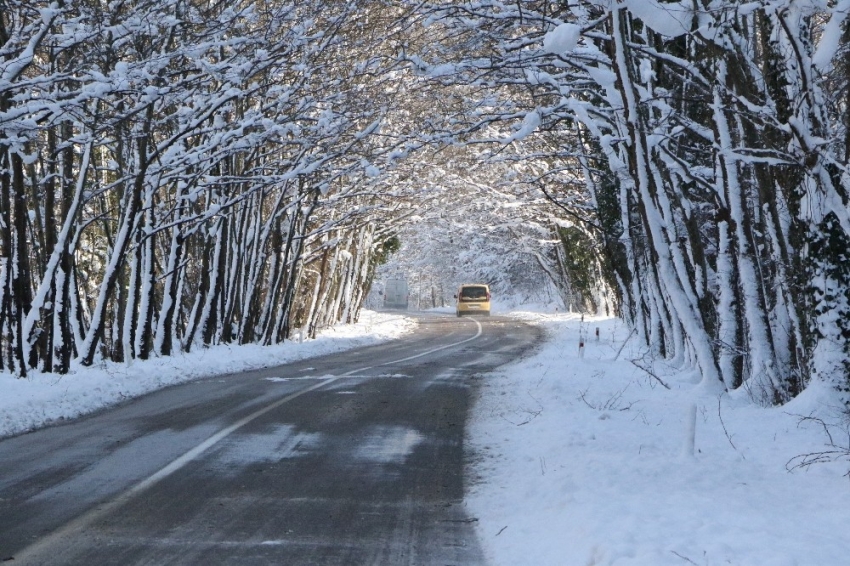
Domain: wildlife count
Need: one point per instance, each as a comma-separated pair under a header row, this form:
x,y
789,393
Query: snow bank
x,y
41,399
579,461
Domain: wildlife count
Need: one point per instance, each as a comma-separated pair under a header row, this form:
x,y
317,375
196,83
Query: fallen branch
x,y
650,373
624,344
726,432
834,453
612,404
685,558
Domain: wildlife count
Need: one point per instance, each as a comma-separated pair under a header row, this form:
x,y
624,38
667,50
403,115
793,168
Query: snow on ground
x,y
41,399
586,461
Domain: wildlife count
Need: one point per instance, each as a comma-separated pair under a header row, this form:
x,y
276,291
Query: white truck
x,y
395,294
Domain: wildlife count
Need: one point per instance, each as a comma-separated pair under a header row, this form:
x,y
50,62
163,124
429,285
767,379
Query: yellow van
x,y
473,298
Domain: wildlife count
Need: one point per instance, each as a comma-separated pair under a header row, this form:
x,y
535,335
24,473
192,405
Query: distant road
x,y
353,458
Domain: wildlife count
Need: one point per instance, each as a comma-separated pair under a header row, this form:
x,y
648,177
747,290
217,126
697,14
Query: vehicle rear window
x,y
473,293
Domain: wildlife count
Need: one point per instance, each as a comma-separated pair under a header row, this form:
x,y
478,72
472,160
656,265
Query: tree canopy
x,y
175,174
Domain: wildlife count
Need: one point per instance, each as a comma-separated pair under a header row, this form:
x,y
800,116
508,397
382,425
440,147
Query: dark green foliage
x,y
386,248
580,266
615,269
830,285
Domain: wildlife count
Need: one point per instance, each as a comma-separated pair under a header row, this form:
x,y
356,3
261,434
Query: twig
x,y
624,343
661,381
837,452
612,404
533,416
726,432
806,460
501,530
820,422
685,558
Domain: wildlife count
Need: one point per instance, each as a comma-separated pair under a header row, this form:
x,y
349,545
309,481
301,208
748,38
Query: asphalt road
x,y
353,458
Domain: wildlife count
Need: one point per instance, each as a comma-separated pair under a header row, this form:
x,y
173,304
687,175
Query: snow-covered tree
x,y
171,170
712,139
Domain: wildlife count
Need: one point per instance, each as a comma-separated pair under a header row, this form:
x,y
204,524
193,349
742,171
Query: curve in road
x,y
365,468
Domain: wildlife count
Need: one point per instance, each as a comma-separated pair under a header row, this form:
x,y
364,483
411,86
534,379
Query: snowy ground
x,y
587,461
581,461
44,398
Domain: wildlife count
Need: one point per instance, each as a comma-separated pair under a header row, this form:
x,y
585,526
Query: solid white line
x,y
452,345
477,334
86,519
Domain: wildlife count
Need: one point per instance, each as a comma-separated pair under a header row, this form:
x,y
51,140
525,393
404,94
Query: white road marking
x,y
86,519
477,334
302,378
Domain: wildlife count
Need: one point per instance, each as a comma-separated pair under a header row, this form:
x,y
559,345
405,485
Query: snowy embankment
x,y
587,461
41,399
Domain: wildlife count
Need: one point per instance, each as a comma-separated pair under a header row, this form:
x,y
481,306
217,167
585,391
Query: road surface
x,y
351,458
